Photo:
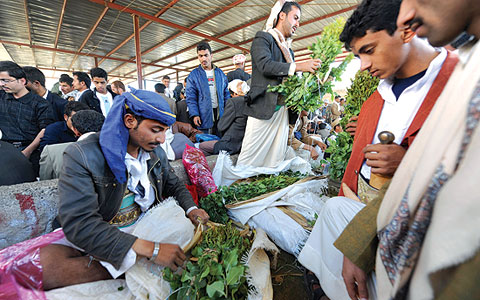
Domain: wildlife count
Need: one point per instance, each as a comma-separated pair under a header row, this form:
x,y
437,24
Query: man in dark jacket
x,y
232,127
108,181
239,72
101,98
206,91
36,84
62,131
272,61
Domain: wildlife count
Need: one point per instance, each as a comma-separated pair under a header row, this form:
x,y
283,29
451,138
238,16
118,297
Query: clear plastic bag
x,y
196,165
20,268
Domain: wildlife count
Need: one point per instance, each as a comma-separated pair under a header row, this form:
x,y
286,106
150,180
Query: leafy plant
x,y
213,204
216,270
363,86
306,92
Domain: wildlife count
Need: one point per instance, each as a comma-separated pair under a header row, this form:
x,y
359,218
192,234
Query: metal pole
x,y
138,51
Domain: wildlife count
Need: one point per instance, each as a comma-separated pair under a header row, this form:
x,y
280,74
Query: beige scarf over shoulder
x,y
453,235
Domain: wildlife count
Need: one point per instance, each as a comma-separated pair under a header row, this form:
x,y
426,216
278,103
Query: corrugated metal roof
x,y
237,23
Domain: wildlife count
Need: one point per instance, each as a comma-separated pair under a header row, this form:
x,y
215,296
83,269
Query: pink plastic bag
x,y
196,165
20,268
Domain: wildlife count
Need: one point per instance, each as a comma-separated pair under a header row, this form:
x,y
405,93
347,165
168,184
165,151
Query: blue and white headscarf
x,y
114,134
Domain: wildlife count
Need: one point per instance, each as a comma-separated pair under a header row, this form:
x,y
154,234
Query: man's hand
x,y
355,279
198,213
352,126
321,145
197,121
384,159
170,255
308,66
313,152
26,152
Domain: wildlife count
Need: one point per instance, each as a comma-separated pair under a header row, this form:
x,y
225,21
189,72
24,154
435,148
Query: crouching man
x,y
108,181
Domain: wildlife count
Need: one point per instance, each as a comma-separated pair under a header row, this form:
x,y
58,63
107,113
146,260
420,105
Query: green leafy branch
x,y
306,92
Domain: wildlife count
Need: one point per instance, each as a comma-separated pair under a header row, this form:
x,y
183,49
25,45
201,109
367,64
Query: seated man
x,y
19,168
62,131
410,85
298,138
160,89
84,123
122,164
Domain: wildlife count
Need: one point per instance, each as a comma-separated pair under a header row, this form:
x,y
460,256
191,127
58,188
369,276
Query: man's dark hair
x,y
337,96
33,74
204,46
137,117
82,76
88,121
373,15
286,8
160,88
166,77
74,106
98,72
12,69
66,78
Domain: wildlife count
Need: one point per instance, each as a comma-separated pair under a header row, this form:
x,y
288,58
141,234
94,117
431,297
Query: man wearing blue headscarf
x,y
108,182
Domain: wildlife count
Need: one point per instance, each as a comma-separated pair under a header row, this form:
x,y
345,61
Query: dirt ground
x,y
287,279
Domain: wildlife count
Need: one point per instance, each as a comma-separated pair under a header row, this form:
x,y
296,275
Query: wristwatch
x,y
156,249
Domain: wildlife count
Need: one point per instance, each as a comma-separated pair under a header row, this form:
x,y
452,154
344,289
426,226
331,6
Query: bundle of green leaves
x,y
306,92
363,86
217,271
213,204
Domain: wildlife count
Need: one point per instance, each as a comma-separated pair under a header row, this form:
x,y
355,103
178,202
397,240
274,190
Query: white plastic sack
x,y
305,198
113,289
225,173
259,266
166,223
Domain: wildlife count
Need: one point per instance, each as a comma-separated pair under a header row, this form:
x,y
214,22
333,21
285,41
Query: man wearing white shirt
x,y
166,82
101,98
413,75
108,182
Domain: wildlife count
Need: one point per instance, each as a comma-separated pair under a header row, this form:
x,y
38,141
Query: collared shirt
x,y
106,102
22,119
138,173
397,115
45,95
79,94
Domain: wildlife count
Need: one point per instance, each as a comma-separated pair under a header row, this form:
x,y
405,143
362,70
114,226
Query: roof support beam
x,y
171,38
104,12
29,31
59,27
84,54
165,22
158,14
138,51
70,70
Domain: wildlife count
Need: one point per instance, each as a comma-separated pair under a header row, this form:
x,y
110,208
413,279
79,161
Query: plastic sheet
x,y
20,268
196,165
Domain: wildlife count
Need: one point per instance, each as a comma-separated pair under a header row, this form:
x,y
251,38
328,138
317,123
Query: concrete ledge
x,y
27,210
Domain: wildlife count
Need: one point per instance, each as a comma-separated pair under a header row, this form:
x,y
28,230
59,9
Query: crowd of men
x,y
405,224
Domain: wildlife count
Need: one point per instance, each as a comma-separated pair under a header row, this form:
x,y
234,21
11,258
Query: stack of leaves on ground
x,y
215,270
362,88
306,92
256,186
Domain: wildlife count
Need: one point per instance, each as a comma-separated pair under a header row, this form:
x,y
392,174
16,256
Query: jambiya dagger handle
x,y
377,180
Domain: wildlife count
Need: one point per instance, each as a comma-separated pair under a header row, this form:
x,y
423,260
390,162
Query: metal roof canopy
x,y
160,39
